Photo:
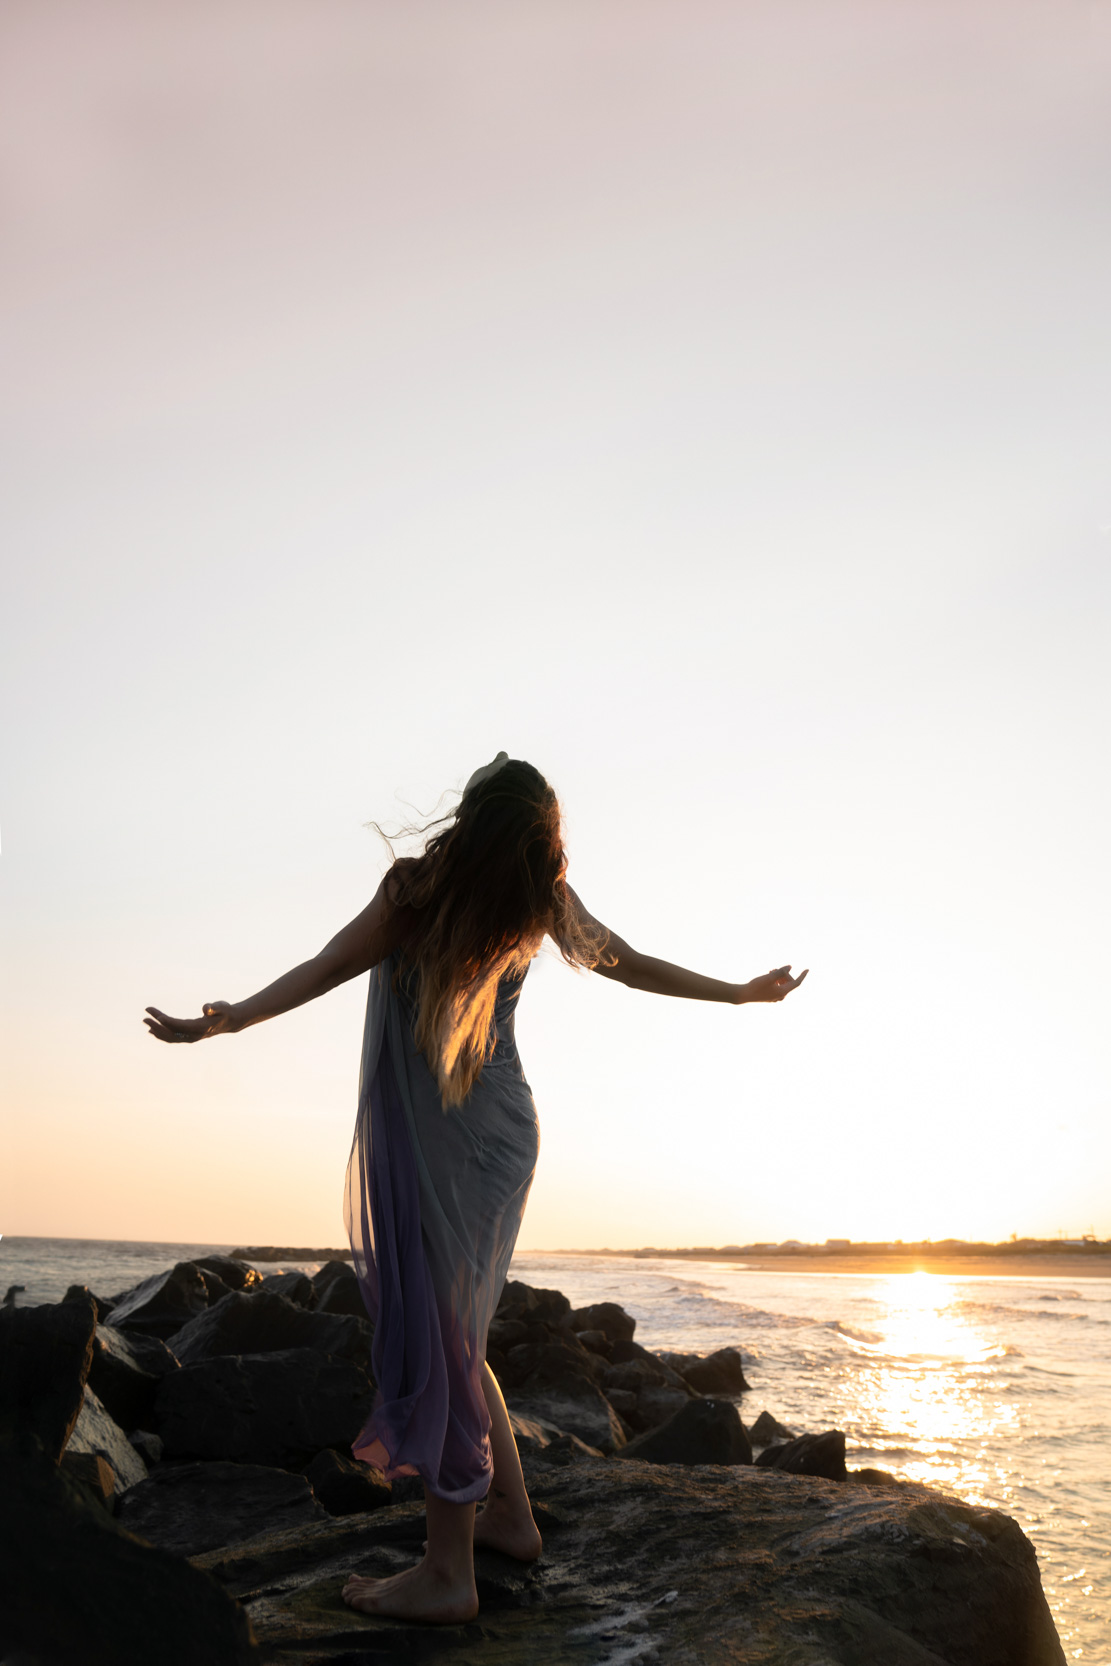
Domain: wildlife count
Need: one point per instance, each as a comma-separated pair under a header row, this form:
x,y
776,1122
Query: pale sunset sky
x,y
708,402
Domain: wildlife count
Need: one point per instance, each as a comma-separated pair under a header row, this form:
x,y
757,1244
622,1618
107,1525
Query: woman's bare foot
x,y
512,1531
420,1593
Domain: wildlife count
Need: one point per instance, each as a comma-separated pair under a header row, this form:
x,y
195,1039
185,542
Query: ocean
x,y
997,1390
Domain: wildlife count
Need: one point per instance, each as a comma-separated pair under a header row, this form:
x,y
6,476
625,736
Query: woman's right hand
x,y
217,1020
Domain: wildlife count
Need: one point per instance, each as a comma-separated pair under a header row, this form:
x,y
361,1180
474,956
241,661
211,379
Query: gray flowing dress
x,y
433,1205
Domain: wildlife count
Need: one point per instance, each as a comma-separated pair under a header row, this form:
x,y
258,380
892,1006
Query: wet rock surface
x,y
688,1567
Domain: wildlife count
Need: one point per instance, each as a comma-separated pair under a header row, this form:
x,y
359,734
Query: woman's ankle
x,y
513,1507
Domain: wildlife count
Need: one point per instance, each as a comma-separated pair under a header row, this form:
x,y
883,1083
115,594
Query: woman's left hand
x,y
216,1021
773,986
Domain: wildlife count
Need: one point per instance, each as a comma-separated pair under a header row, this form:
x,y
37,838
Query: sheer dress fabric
x,y
433,1205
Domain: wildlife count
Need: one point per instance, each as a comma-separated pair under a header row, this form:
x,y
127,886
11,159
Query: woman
x,y
445,1147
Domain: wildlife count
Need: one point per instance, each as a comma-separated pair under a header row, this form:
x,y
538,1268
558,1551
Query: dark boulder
x,y
97,1433
874,1478
78,1292
273,1408
190,1508
539,1440
338,1290
328,1274
148,1445
566,1448
45,1355
118,1380
822,1454
150,1353
597,1341
343,1297
716,1373
767,1429
607,1317
624,1403
642,1372
80,1592
407,1489
576,1405
701,1432
214,1286
295,1287
266,1324
346,1487
535,1306
507,1333
234,1273
622,1352
93,1473
160,1305
654,1405
541,1364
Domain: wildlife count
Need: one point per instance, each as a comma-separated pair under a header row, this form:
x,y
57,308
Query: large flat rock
x,y
189,1508
683,1566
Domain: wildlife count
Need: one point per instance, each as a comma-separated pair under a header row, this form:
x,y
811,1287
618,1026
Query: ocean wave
x,y
723,1315
854,1335
996,1310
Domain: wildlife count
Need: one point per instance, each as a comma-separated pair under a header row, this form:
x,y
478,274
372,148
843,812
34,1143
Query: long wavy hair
x,y
483,894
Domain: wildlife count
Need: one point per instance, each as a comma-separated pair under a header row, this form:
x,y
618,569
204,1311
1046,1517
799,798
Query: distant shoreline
x,y
1039,1260
1068,1264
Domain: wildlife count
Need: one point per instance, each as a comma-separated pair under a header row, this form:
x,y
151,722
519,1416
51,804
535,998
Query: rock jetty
x,y
178,1487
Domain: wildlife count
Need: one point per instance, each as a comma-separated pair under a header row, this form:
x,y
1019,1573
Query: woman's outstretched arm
x,y
369,938
659,977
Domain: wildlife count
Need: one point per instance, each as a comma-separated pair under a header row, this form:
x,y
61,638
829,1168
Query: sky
x,y
707,402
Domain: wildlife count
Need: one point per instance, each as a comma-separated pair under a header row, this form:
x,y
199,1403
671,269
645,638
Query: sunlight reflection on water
x,y
918,1387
